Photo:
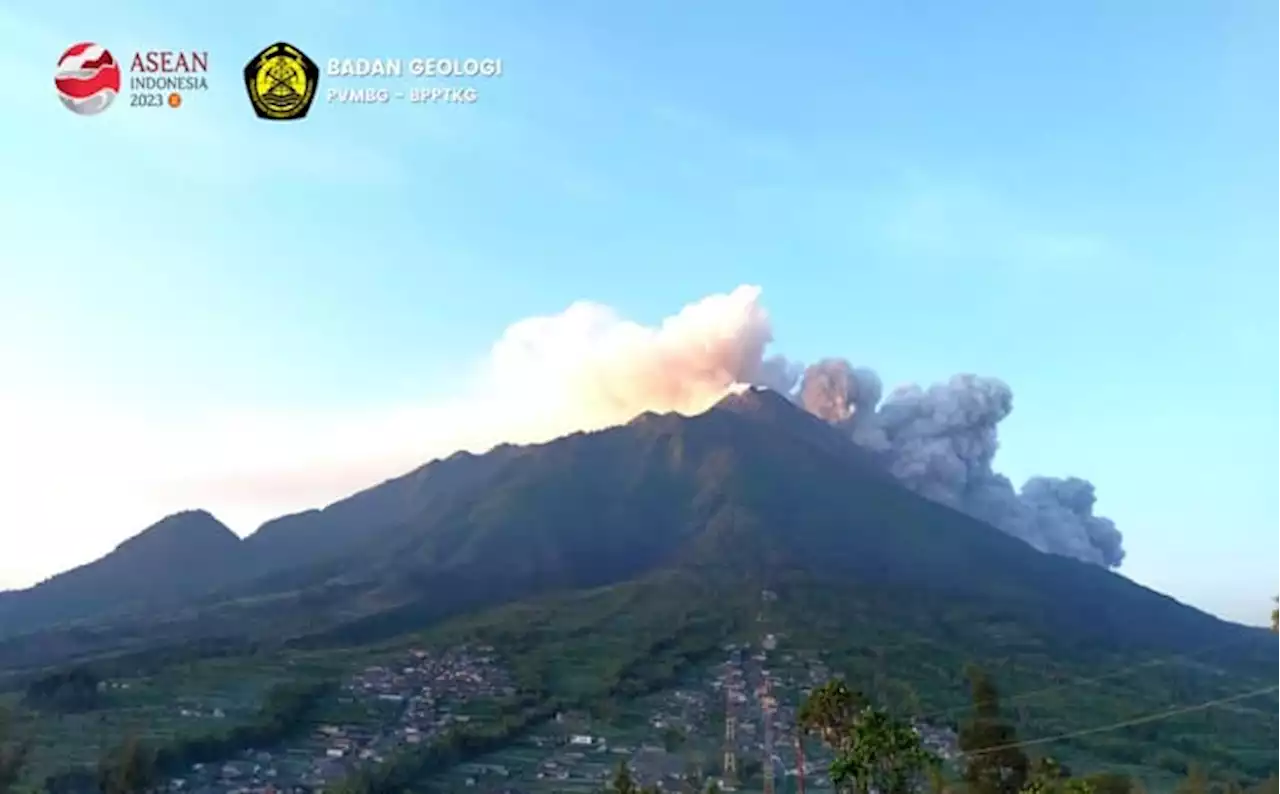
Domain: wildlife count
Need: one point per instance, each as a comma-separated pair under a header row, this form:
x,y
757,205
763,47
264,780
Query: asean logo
x,y
87,78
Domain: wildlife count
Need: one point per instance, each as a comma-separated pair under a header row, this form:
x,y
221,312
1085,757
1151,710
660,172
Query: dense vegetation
x,y
910,654
67,691
14,750
134,765
598,650
285,712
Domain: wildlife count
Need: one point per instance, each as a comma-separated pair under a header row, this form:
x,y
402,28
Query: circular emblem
x,y
281,81
87,78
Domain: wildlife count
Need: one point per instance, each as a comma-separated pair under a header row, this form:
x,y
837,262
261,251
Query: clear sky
x,y
1077,197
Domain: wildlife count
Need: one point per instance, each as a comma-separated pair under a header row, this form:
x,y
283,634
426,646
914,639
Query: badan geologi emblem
x,y
281,81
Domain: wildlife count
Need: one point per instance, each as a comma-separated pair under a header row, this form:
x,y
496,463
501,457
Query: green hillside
x,y
603,650
909,650
609,567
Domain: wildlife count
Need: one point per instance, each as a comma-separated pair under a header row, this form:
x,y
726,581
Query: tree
x,y
1196,781
994,764
129,769
829,713
1047,776
881,754
937,780
872,749
67,691
1268,786
673,739
14,751
1043,776
352,784
1111,783
623,783
695,773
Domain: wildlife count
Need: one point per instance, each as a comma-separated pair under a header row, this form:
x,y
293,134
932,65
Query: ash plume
x,y
594,369
941,442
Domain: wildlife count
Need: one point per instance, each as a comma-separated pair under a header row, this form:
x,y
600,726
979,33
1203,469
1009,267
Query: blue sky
x,y
1078,198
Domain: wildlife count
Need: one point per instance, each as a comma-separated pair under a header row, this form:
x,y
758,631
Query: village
x,y
388,708
733,724
720,727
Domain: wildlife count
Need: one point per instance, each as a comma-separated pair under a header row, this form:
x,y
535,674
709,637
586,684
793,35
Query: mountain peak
x,y
186,528
760,403
783,416
179,556
746,399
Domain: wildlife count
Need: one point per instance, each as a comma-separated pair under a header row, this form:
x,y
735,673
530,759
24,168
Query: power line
x,y
1128,723
1117,673
1080,681
1054,688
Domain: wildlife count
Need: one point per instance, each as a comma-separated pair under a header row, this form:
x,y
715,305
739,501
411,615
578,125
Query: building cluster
x,y
736,722
760,703
391,707
679,735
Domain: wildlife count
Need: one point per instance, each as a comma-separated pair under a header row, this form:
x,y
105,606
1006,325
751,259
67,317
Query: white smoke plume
x,y
940,441
590,368
582,369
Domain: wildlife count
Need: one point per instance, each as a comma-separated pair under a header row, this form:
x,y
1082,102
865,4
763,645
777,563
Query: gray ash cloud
x,y
941,442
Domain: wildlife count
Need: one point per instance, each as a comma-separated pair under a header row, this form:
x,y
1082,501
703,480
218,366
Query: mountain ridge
x,y
753,483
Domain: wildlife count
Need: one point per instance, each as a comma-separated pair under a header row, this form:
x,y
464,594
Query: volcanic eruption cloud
x,y
940,441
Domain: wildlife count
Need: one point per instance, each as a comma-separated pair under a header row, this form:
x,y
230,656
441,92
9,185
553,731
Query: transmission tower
x,y
730,740
768,705
799,764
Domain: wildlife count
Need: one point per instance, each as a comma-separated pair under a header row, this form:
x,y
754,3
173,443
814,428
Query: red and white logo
x,y
87,78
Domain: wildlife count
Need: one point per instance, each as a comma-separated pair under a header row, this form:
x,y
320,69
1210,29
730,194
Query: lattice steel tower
x,y
768,705
799,763
730,739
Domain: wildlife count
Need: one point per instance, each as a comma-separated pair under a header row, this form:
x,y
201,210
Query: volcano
x,y
754,485
669,521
